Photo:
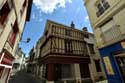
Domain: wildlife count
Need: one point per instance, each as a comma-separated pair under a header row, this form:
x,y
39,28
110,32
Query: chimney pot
x,y
72,25
85,29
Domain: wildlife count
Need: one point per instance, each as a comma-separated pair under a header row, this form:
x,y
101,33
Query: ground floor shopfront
x,y
66,73
67,70
5,66
113,59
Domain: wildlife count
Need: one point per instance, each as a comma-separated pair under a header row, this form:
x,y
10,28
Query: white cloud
x,y
86,18
48,6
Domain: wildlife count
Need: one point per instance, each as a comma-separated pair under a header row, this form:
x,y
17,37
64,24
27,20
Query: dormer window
x,y
102,6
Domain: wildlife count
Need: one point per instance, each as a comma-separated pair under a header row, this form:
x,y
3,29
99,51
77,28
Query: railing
x,y
112,35
61,52
80,38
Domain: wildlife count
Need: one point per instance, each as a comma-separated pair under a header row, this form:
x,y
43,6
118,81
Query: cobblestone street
x,y
23,77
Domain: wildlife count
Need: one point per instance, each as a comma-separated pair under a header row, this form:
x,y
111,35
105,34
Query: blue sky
x,y
61,11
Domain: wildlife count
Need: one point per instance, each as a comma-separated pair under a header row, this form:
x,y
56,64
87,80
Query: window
x,y
102,7
97,64
4,11
68,32
12,38
68,46
13,34
91,48
54,29
86,35
85,50
66,71
105,4
44,70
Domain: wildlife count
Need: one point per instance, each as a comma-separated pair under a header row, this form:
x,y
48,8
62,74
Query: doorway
x,y
120,59
84,69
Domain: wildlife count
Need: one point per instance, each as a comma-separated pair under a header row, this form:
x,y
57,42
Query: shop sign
x,y
108,65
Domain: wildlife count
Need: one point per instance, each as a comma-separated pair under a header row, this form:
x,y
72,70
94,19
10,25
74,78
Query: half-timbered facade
x,y
64,55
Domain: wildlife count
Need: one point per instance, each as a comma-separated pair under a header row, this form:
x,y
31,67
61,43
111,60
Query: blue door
x,y
111,63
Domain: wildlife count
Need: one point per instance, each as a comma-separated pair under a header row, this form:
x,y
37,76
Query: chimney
x,y
85,29
72,25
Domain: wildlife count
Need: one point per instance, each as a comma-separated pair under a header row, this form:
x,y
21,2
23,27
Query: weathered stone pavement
x,y
23,77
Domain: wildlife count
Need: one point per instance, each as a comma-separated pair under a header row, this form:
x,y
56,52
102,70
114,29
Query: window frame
x,y
104,5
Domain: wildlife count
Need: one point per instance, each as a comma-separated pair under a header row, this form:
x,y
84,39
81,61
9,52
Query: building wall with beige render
x,y
108,27
15,19
7,27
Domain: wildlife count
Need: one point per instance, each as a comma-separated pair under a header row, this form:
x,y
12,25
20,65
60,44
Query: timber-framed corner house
x,y
64,54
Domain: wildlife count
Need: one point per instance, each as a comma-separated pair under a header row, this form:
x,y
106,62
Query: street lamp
x,y
27,41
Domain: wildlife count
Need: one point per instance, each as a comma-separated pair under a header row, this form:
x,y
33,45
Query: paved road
x,y
23,77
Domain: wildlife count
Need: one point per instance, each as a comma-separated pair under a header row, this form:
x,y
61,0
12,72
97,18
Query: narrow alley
x,y
23,77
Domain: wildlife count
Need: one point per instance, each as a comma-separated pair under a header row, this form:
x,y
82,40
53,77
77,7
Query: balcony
x,y
78,37
112,35
61,52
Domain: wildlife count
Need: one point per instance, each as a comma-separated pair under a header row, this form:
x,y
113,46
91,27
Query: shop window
x,y
4,11
65,71
102,6
58,69
97,64
84,70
